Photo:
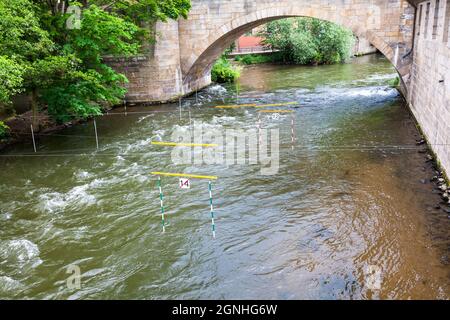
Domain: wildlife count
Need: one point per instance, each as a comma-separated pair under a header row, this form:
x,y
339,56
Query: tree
x,y
88,84
309,40
22,43
62,68
140,11
11,79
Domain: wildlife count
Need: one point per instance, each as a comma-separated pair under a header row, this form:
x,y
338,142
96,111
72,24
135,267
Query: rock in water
x,y
421,142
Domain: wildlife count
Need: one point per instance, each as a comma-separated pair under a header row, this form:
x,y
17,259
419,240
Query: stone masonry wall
x,y
362,47
155,76
429,92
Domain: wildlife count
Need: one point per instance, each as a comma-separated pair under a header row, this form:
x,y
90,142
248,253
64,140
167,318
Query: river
x,y
350,214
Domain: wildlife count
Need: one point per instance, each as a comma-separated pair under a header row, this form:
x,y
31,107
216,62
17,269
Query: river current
x,y
349,215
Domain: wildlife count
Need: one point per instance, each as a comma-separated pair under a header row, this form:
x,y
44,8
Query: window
x,y
436,19
447,23
427,18
420,19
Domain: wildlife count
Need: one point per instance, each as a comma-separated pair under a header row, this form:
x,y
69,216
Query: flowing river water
x,y
350,214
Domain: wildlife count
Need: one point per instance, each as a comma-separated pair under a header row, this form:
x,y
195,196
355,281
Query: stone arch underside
x,y
196,64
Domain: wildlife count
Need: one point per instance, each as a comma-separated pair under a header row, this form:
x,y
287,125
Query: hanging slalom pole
x,y
32,137
161,198
237,94
179,102
184,183
124,100
96,135
181,84
213,225
293,131
259,128
190,119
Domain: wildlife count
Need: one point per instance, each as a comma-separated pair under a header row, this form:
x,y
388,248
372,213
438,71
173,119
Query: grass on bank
x,y
259,58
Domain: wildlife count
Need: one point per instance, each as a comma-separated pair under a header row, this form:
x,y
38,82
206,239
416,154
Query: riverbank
x,y
20,128
277,58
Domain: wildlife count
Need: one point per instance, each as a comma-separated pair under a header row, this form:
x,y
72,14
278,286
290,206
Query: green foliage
x,y
4,130
230,49
146,11
173,9
63,68
22,41
223,71
21,35
259,58
394,82
309,41
302,48
101,33
10,79
77,83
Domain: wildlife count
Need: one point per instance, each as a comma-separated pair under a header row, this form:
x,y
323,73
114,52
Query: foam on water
x,y
52,202
181,128
375,77
216,90
20,252
375,92
224,119
159,133
82,175
8,285
138,146
156,138
144,117
372,92
5,216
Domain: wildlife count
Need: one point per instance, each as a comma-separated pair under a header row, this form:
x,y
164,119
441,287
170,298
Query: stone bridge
x,y
414,35
180,62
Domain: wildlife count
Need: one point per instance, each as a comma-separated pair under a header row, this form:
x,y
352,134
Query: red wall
x,y
249,42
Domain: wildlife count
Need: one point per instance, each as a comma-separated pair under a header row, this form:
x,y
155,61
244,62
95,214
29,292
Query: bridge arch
x,y
368,21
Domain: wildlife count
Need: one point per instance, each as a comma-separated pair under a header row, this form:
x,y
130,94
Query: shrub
x,y
223,71
4,130
309,40
394,82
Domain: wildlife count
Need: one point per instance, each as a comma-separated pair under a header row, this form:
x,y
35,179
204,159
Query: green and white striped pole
x,y
161,197
213,225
